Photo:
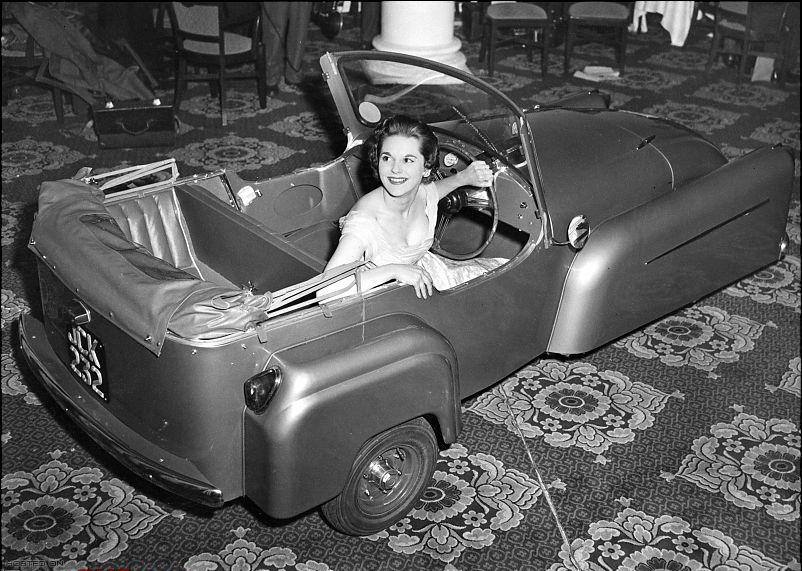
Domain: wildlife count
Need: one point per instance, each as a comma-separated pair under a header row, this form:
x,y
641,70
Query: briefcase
x,y
134,124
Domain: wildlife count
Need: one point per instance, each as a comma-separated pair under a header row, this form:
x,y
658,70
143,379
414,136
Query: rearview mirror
x,y
578,231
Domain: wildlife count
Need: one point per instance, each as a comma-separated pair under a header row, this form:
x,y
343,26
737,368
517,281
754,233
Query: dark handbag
x,y
134,124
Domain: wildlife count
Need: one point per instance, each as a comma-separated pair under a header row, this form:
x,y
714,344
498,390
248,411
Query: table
x,y
676,18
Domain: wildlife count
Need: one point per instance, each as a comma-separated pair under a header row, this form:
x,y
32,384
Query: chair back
x,y
197,28
732,16
764,21
730,8
197,20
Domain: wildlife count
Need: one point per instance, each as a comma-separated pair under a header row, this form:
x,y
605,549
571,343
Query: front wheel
x,y
388,476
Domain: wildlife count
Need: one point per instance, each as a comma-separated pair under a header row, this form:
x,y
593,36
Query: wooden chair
x,y
755,29
597,21
515,23
200,40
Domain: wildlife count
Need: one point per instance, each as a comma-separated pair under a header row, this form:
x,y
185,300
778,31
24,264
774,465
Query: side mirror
x,y
578,231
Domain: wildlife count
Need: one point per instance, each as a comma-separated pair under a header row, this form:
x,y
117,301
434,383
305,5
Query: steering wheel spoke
x,y
475,198
443,220
479,199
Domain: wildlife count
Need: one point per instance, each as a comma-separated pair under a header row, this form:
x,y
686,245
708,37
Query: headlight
x,y
261,388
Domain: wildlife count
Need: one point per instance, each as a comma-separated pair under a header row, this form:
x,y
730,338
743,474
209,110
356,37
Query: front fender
x,y
299,452
667,253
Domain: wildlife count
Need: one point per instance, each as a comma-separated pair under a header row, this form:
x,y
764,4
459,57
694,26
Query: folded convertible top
x,y
79,240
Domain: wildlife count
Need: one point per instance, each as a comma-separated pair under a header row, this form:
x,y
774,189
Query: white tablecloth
x,y
676,18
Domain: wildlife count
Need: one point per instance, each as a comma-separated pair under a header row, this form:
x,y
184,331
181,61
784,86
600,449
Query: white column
x,y
423,29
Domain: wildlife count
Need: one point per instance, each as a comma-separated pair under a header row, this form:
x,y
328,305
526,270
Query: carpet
x,y
686,454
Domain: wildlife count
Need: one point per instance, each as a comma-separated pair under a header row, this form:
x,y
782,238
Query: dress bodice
x,y
379,246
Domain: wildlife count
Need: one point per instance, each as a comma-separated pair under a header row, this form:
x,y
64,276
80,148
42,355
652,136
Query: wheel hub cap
x,y
383,475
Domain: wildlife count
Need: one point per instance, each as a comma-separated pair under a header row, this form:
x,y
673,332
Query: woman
x,y
393,226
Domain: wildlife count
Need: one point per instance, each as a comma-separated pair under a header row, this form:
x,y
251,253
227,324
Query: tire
x,y
389,474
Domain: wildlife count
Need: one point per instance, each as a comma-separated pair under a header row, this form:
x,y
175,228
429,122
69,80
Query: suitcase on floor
x,y
134,124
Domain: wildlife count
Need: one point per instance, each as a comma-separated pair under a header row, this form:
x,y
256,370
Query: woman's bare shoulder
x,y
369,203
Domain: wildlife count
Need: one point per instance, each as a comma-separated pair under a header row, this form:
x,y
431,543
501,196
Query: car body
x,y
182,331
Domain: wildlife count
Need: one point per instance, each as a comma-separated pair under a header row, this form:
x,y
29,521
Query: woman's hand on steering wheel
x,y
482,197
478,173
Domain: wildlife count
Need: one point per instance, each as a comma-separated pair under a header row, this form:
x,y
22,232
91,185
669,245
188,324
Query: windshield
x,y
378,88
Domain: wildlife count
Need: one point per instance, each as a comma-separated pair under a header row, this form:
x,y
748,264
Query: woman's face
x,y
401,165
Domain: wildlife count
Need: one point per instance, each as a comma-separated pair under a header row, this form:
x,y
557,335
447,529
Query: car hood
x,y
603,162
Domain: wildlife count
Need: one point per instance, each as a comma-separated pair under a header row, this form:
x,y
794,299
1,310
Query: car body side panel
x,y
496,323
670,252
337,392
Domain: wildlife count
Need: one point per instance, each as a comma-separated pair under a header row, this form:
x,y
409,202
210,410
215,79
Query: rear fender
x,y
669,252
299,453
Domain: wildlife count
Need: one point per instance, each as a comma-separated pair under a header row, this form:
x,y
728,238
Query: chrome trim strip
x,y
741,214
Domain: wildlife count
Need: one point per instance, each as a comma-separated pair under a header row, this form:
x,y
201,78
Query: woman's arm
x,y
350,249
477,173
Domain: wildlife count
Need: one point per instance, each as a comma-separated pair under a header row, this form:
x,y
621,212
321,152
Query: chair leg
x,y
711,55
491,50
221,84
180,82
545,38
58,105
782,71
569,45
742,63
530,45
483,44
213,85
261,79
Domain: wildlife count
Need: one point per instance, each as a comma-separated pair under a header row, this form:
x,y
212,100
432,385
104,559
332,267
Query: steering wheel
x,y
477,198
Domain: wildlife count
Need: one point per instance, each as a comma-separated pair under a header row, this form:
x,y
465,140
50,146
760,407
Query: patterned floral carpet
x,y
683,453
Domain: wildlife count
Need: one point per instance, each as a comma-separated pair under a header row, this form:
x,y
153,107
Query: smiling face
x,y
401,165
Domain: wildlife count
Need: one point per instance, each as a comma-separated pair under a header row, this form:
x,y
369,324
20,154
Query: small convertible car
x,y
185,331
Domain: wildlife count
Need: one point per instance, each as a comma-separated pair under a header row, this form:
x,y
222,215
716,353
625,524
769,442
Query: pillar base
x,y
390,72
422,29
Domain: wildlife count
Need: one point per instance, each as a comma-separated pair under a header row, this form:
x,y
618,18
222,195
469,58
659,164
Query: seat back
x,y
156,222
199,29
729,8
196,25
198,20
732,15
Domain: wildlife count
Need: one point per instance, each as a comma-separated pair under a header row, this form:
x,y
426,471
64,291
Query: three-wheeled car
x,y
185,332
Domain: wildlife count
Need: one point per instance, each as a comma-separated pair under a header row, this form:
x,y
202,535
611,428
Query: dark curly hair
x,y
408,127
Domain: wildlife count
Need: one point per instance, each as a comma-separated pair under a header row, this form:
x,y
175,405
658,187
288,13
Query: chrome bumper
x,y
174,474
